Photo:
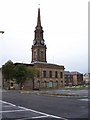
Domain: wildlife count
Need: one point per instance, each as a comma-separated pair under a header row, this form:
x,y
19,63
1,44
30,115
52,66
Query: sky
x,y
65,25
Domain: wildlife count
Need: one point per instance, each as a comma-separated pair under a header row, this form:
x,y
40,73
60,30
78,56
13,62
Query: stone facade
x,y
51,76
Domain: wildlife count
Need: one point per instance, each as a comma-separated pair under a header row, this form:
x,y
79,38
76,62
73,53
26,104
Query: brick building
x,y
68,78
73,78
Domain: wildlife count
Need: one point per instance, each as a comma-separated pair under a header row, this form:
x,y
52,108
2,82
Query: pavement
x,y
62,93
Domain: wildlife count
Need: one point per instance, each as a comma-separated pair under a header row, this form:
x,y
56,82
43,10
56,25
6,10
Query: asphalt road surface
x,y
27,106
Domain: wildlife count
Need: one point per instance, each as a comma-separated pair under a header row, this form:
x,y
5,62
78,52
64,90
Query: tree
x,y
20,74
7,70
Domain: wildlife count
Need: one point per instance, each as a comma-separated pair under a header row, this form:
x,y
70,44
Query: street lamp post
x,y
2,32
1,69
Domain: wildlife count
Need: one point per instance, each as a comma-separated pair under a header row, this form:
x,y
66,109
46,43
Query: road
x,y
37,106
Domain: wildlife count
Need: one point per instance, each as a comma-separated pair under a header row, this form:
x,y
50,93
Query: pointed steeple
x,y
38,18
38,30
38,47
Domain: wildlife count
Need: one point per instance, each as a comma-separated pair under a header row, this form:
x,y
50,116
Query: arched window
x,y
11,84
50,84
55,84
38,84
44,84
61,83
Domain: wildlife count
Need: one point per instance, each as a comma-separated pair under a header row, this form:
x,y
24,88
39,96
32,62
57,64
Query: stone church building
x,y
51,75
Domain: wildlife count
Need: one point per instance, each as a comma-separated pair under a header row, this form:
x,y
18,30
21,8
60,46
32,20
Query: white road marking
x,y
7,103
84,100
33,111
32,118
39,117
42,113
26,109
12,111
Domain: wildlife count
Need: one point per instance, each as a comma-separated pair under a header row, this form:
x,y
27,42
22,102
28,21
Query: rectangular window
x,y
50,74
44,73
61,74
56,74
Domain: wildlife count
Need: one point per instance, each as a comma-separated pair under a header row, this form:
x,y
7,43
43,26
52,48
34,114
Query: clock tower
x,y
38,47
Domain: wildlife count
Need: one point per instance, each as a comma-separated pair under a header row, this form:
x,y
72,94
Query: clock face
x,y
42,41
34,41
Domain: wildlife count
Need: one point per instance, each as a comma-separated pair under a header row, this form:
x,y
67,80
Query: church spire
x,y
38,30
38,18
38,47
